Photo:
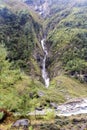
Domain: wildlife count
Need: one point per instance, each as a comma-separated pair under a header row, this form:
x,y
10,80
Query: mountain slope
x,y
65,28
21,32
67,37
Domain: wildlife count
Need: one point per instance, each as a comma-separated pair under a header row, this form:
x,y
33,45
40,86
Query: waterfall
x,y
44,72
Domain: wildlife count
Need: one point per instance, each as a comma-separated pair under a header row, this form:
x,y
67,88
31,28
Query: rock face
x,y
40,6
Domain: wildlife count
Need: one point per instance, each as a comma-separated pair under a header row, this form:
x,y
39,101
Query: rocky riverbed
x,y
75,122
71,115
72,107
65,123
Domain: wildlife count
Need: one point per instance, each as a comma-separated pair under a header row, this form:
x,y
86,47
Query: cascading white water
x,y
73,109
44,72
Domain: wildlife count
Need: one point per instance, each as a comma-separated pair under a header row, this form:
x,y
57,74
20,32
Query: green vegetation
x,y
8,78
67,86
49,115
59,123
15,87
68,39
21,87
19,33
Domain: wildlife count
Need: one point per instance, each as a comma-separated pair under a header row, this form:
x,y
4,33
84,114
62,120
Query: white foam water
x,y
44,72
75,109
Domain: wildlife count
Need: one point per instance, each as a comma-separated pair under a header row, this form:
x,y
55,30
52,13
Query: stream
x,y
73,108
44,72
77,106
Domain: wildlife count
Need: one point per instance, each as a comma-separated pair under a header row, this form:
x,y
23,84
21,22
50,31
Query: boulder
x,y
21,123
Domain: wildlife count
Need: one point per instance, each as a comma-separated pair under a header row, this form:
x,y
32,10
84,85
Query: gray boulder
x,y
21,123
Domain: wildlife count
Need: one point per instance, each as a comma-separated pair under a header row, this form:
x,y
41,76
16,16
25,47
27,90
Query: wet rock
x,y
21,123
39,59
48,62
53,105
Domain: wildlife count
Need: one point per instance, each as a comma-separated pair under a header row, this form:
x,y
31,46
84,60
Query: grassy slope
x,y
68,87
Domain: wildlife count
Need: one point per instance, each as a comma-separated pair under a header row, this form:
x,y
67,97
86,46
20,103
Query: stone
x,y
54,105
41,94
21,123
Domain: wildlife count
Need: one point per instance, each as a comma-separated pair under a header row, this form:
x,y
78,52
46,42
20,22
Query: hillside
x,y
49,37
65,28
20,73
66,37
20,33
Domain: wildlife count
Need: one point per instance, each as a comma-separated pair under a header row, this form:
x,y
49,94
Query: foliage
x,y
15,87
49,115
1,115
8,76
19,34
76,65
68,38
